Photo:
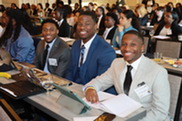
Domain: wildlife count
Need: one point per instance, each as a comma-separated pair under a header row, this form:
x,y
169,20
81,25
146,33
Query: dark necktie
x,y
128,80
45,56
82,54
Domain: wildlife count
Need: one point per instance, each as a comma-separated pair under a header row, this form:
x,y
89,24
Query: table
x,y
48,103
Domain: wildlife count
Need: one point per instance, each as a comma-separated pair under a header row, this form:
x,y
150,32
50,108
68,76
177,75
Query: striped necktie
x,y
82,54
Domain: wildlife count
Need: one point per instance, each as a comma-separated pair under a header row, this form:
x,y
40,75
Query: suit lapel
x,y
140,73
54,47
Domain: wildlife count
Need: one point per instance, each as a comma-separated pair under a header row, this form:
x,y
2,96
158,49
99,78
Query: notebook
x,y
26,84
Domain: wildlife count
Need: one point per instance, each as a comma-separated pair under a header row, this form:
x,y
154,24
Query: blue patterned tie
x,y
82,54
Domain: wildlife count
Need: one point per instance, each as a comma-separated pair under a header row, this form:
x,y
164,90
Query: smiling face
x,y
86,27
131,47
49,32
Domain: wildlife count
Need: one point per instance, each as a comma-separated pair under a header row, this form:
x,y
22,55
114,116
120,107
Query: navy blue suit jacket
x,y
99,59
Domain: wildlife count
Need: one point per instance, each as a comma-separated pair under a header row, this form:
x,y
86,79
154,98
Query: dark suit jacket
x,y
102,24
176,29
99,59
64,29
59,51
111,33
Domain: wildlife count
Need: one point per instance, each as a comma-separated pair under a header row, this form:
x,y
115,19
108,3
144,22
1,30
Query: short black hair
x,y
138,34
91,14
50,21
113,16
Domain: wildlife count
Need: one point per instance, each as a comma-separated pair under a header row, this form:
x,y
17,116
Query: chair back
x,y
176,96
169,48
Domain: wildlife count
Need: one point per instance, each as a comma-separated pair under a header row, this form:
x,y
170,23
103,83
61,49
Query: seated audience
x,y
58,54
91,55
158,16
141,14
47,10
64,27
178,10
127,21
111,22
101,18
40,10
16,38
91,7
14,6
132,72
169,26
76,8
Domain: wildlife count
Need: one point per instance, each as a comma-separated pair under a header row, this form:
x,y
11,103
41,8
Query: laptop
x,y
26,84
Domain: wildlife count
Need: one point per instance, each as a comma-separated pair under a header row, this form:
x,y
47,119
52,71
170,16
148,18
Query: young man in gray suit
x,y
58,52
145,74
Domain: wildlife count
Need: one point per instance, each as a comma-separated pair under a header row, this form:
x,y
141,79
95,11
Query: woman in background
x,y
127,21
169,26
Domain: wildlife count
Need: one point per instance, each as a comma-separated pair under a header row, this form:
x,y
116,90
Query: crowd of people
x,y
91,60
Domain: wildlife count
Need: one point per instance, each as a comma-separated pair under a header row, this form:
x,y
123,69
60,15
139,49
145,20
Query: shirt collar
x,y
88,43
135,63
110,28
51,43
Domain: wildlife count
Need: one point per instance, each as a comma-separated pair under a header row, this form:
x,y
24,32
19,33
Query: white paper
x,y
120,105
85,118
161,37
102,97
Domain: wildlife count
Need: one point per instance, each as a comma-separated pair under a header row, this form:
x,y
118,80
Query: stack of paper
x,y
120,105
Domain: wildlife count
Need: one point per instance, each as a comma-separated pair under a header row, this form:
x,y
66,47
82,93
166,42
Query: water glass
x,y
157,56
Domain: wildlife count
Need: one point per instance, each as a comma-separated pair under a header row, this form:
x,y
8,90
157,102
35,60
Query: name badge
x,y
143,90
53,62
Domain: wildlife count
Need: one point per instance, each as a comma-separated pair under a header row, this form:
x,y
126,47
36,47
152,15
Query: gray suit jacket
x,y
156,77
59,51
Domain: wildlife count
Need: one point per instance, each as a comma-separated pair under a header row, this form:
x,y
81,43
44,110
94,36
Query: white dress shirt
x,y
87,46
133,71
106,32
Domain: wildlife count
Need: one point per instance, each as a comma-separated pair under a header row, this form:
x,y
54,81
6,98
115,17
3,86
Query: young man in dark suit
x,y
64,27
58,52
111,21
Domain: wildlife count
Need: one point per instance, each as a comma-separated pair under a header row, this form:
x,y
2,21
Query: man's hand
x,y
91,96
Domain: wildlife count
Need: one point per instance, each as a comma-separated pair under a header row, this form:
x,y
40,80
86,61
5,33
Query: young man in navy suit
x,y
97,56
